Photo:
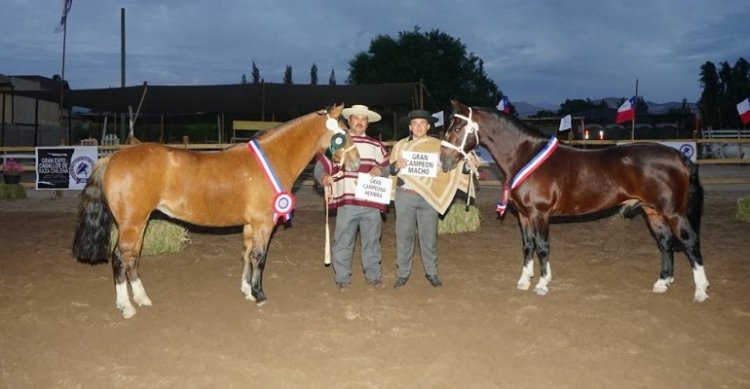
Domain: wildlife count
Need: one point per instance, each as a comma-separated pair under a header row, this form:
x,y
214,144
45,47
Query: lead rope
x,y
473,172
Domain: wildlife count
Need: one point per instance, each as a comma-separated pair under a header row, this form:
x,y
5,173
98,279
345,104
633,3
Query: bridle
x,y
471,128
338,140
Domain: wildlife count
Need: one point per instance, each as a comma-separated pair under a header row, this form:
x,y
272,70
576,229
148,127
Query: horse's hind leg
x,y
664,239
125,268
690,240
247,270
254,256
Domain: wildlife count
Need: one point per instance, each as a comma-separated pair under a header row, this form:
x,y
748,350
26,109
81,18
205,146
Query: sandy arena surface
x,y
599,327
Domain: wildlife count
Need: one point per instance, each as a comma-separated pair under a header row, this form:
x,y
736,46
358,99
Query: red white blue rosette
x,y
283,205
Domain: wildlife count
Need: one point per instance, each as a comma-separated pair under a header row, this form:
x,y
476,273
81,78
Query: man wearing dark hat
x,y
354,214
414,215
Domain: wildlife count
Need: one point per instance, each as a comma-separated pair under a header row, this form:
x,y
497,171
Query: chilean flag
x,y
626,112
743,108
504,105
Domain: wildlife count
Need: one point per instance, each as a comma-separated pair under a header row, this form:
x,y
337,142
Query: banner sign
x,y
372,188
420,164
64,167
687,148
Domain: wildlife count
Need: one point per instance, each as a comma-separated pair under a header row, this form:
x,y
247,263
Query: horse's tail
x,y
695,198
91,241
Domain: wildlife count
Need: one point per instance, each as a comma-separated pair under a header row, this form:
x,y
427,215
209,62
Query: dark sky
x,y
540,52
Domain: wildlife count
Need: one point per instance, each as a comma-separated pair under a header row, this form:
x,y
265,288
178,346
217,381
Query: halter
x,y
471,128
337,141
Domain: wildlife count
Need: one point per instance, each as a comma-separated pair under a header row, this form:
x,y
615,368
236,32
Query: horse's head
x,y
460,137
343,151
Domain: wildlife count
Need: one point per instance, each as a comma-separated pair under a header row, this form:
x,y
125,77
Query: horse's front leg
x,y
527,271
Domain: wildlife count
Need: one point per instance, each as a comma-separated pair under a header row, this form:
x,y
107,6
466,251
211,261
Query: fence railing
x,y
727,156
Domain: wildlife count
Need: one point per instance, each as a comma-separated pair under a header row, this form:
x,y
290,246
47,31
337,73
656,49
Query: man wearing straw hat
x,y
354,214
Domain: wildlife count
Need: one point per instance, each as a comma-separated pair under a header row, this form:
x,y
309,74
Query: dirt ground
x,y
599,327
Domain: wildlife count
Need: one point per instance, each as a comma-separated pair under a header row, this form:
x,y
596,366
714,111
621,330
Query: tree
x,y
332,78
434,57
244,79
709,101
314,74
255,74
288,75
722,90
579,105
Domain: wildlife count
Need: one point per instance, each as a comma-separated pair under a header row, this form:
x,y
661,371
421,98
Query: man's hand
x,y
376,172
326,180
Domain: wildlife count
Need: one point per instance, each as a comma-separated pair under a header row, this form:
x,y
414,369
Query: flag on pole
x,y
566,123
438,119
743,108
504,105
626,112
67,4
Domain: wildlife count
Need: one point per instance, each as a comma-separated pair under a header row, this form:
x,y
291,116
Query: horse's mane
x,y
513,122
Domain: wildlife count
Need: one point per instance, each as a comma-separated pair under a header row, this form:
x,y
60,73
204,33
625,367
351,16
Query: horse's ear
x,y
335,111
456,105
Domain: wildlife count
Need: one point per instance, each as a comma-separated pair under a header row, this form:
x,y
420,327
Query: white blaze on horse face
x,y
701,284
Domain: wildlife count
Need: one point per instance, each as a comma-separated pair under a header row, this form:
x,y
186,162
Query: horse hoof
x,y
523,285
142,301
249,297
261,303
541,290
700,297
662,285
128,312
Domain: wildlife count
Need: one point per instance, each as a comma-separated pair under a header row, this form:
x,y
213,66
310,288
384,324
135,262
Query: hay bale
x,y
162,236
12,191
459,219
743,209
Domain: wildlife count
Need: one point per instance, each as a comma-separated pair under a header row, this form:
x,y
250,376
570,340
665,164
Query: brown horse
x,y
227,188
544,180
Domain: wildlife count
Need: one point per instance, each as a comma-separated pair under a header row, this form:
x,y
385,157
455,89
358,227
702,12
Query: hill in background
x,y
525,109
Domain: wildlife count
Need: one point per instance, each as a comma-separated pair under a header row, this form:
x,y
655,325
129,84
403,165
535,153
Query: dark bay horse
x,y
227,188
545,180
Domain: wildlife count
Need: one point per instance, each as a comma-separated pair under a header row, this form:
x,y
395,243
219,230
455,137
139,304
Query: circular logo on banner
x,y
283,204
81,168
688,150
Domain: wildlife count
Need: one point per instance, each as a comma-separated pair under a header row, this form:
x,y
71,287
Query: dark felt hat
x,y
419,114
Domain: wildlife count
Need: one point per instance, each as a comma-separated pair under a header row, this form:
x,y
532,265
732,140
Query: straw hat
x,y
361,110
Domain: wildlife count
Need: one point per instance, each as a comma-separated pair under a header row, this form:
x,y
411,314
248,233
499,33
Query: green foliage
x,y
314,74
743,209
460,219
161,237
12,191
288,75
255,74
723,88
575,106
434,57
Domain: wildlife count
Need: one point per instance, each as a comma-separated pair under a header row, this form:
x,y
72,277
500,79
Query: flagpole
x,y
635,111
62,73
